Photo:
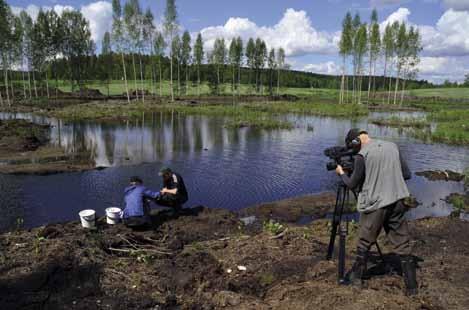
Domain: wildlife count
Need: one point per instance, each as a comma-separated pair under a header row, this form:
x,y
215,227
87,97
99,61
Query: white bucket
x,y
464,216
113,215
87,218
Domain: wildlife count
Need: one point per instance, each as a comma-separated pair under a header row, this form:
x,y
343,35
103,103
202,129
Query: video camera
x,y
340,155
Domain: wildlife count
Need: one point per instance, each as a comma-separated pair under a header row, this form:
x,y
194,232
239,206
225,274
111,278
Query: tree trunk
x,y
57,79
141,78
179,78
233,83
396,88
342,83
47,85
171,72
369,77
6,87
198,80
29,85
390,89
161,77
384,77
1,98
218,80
12,87
135,76
239,79
24,85
278,82
187,80
402,92
125,78
373,87
34,82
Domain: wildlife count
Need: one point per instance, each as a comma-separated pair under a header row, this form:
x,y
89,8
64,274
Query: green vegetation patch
x,y
401,122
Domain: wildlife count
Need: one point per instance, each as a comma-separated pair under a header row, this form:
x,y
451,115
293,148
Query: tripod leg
x,y
330,249
336,218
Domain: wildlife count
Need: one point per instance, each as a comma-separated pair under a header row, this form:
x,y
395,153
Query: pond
x,y
222,168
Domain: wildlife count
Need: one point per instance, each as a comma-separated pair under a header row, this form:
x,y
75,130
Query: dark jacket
x,y
135,204
176,181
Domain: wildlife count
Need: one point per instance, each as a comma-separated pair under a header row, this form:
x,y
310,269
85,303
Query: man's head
x,y
166,173
356,138
136,181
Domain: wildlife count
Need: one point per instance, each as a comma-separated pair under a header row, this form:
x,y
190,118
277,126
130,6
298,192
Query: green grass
x,y
263,115
118,88
401,122
453,93
452,126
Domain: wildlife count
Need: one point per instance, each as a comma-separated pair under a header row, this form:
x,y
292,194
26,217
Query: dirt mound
x,y
438,175
22,136
216,264
292,210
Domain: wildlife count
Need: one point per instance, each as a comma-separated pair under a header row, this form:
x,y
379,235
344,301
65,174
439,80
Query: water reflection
x,y
223,168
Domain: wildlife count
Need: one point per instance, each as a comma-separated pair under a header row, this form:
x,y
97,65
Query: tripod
x,y
342,198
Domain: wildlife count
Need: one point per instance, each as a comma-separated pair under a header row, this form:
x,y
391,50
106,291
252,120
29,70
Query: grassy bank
x,y
260,115
401,122
453,93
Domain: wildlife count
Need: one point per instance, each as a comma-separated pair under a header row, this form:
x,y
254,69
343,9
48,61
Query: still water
x,y
223,168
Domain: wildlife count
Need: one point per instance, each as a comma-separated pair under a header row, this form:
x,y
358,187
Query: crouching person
x,y
136,213
174,193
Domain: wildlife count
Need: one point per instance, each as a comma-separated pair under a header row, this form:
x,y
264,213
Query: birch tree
x,y
280,66
159,48
198,58
118,39
171,28
186,50
374,49
345,49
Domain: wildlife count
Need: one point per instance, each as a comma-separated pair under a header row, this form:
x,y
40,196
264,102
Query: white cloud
x,y
294,32
458,5
439,69
99,15
401,15
449,37
328,67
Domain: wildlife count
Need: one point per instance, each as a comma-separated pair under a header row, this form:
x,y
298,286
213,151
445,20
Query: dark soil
x,y
191,262
22,136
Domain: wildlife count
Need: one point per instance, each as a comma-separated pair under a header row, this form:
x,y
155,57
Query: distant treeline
x,y
104,67
57,47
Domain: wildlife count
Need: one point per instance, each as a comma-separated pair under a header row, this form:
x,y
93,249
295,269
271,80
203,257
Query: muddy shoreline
x,y
25,149
209,259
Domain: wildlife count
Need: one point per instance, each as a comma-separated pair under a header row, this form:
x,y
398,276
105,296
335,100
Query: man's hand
x,y
339,170
164,191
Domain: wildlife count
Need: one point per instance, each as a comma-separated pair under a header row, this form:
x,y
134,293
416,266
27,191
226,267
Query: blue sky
x,y
308,29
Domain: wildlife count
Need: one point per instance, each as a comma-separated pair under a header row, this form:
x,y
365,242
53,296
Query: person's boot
x,y
409,273
355,275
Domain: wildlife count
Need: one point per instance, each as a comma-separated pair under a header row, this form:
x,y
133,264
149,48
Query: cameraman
x,y
378,175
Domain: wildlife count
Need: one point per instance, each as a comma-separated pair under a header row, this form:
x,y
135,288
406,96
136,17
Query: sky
x,y
308,30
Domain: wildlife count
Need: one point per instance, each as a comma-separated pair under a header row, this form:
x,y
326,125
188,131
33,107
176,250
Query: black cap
x,y
136,180
353,134
165,170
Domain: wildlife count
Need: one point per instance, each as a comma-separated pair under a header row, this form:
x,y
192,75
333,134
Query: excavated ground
x,y
208,259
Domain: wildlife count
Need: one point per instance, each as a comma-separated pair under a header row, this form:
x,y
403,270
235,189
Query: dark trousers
x,y
392,219
171,201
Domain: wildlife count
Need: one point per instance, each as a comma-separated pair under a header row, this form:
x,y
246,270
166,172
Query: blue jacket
x,y
135,204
